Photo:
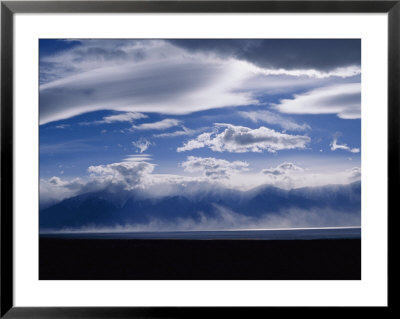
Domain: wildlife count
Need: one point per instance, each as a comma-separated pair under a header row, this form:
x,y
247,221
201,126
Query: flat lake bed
x,y
266,255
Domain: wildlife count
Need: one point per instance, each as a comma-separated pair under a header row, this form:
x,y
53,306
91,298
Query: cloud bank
x,y
206,174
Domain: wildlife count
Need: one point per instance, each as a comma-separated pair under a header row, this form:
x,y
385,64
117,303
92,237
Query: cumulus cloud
x,y
212,167
275,119
240,139
286,175
73,184
129,174
335,146
282,169
55,189
160,125
343,100
142,144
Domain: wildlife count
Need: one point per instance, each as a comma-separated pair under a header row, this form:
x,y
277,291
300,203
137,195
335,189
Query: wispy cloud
x,y
67,147
123,117
335,146
274,119
62,126
163,82
343,100
118,118
158,76
160,125
183,132
138,158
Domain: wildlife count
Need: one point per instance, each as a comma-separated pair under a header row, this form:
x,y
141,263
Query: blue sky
x,y
242,113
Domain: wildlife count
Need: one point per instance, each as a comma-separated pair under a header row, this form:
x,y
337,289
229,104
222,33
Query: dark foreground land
x,y
124,259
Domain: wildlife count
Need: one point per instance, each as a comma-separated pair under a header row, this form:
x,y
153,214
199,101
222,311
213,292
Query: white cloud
x,y
342,72
123,117
62,126
138,158
56,189
354,173
76,183
168,80
212,167
240,139
335,146
142,144
287,175
118,118
275,119
129,174
343,100
282,169
156,76
183,132
135,173
160,125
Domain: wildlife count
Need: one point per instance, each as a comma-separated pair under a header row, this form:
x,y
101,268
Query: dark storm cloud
x,y
326,54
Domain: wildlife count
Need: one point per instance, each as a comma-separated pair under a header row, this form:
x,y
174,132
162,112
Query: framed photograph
x,y
163,158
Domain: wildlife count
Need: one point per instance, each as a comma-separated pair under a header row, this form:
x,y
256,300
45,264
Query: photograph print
x,y
200,159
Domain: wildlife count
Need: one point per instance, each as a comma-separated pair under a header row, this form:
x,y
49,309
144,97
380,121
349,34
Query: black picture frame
x,y
9,8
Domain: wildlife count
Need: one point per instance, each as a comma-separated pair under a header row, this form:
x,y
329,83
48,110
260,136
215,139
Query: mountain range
x,y
109,208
